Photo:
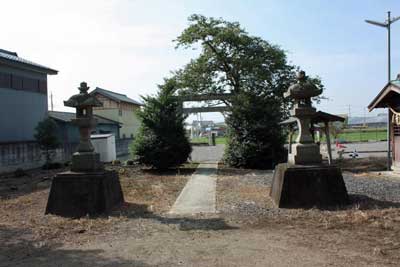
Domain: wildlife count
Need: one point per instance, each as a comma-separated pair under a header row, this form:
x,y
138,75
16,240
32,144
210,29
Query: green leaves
x,y
230,61
255,138
46,136
162,142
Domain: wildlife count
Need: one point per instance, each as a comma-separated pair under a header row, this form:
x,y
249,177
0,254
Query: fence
x,y
122,146
28,155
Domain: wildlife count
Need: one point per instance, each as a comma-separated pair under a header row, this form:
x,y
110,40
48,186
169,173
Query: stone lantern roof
x,y
83,99
303,89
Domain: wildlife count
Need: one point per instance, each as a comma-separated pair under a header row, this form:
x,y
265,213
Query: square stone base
x,y
295,186
75,195
86,162
303,154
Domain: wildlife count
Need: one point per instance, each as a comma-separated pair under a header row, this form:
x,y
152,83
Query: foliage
x,y
255,138
255,71
335,129
231,60
46,136
162,142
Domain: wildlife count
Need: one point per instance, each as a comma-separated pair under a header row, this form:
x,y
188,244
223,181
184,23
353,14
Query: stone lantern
x,y
305,181
85,159
88,189
305,151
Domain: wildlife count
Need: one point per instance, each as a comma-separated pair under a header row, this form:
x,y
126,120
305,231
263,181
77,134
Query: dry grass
x,y
363,164
22,209
363,227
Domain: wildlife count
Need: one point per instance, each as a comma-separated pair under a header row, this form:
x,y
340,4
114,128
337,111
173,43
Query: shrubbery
x,y
46,136
161,142
255,139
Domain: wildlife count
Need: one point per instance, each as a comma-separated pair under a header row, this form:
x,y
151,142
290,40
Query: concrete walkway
x,y
207,153
198,196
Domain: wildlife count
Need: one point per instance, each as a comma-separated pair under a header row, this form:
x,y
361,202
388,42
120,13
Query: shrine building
x,y
389,97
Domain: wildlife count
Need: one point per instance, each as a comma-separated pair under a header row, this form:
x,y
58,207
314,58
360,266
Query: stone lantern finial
x,y
83,88
301,76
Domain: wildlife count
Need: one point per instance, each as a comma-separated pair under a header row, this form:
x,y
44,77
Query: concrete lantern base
x,y
75,194
297,186
86,162
303,154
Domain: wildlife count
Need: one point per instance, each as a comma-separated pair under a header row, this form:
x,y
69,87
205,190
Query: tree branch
x,y
228,70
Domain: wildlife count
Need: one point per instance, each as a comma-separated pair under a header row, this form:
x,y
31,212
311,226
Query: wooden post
x,y
328,142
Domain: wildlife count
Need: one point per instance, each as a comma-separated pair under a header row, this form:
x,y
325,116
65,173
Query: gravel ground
x,y
382,192
383,189
369,225
247,231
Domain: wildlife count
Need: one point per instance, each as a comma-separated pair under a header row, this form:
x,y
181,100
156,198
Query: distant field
x,y
218,140
363,136
358,135
348,135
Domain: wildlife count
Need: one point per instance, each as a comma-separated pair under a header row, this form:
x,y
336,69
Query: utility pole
x,y
51,101
389,21
365,119
349,112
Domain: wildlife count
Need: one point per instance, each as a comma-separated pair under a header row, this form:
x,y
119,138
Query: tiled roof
x,y
69,116
12,56
115,96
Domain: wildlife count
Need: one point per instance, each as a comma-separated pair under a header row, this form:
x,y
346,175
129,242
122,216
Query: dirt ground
x,y
247,231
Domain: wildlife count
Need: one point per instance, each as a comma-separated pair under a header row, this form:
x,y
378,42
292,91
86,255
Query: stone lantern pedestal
x,y
304,181
305,150
87,189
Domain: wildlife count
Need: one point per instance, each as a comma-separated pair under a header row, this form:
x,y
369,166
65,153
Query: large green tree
x,y
254,71
162,142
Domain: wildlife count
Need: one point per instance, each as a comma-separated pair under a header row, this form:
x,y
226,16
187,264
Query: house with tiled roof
x,y
118,107
23,96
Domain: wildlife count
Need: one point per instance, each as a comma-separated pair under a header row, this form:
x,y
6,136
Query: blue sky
x,y
125,45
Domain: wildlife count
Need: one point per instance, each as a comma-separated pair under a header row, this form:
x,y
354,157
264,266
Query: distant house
x,y
219,129
379,121
23,96
200,128
69,133
120,108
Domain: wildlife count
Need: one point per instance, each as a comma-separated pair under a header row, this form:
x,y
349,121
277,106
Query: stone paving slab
x,y
207,153
198,196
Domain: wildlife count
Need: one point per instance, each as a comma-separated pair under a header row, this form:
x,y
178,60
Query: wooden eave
x,y
380,101
319,116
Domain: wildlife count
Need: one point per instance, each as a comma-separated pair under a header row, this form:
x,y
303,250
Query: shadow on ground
x,y
15,250
361,202
134,211
170,172
371,164
364,202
